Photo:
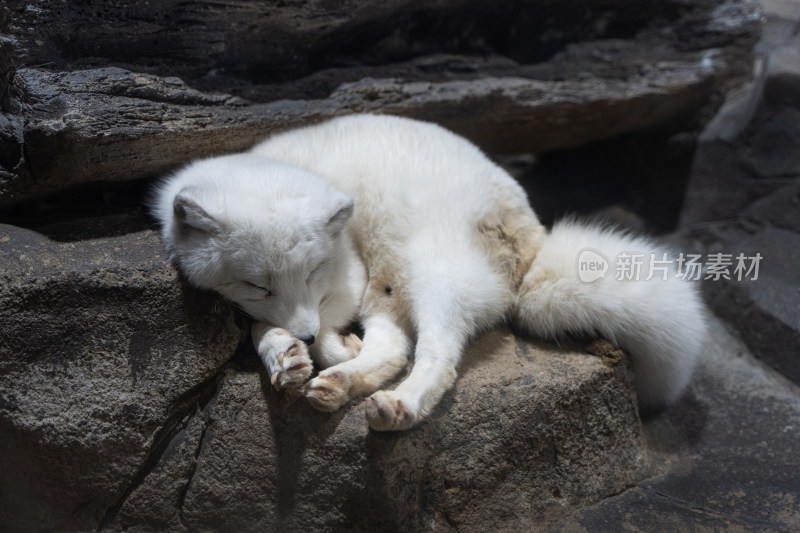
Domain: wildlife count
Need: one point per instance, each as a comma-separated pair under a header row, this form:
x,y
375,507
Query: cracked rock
x,y
102,345
158,500
147,429
529,434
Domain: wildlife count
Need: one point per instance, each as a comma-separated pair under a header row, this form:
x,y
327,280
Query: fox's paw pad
x,y
385,412
352,345
295,367
328,391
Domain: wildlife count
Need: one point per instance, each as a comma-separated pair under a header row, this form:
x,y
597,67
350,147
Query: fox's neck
x,y
346,289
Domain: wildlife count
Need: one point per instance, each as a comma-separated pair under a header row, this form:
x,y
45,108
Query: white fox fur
x,y
411,230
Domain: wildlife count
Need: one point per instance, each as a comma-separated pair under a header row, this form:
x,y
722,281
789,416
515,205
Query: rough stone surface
x,y
765,311
724,458
103,351
529,434
157,501
781,44
743,196
117,412
102,131
92,95
248,43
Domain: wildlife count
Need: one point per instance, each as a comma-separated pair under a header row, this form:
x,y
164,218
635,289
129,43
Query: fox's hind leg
x,y
383,355
453,296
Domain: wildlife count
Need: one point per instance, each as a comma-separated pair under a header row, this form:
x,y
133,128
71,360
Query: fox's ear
x,y
189,214
341,214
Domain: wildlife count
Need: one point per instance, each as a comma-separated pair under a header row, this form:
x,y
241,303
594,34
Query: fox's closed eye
x,y
266,291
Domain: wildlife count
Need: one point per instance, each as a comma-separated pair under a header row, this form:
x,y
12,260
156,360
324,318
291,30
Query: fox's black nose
x,y
309,340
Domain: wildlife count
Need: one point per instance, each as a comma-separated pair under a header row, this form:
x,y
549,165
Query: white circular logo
x,y
591,266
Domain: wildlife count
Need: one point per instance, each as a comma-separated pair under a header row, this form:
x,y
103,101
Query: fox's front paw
x,y
294,367
352,344
386,411
328,391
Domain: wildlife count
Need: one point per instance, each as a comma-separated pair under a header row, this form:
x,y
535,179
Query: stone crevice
x,y
180,412
200,445
740,519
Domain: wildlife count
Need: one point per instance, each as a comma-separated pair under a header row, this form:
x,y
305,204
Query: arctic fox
x,y
411,230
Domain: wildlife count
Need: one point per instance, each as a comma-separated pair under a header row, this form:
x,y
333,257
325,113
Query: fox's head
x,y
261,233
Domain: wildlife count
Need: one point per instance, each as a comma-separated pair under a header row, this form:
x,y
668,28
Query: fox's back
x,y
407,177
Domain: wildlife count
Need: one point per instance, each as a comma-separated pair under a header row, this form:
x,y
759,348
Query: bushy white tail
x,y
661,323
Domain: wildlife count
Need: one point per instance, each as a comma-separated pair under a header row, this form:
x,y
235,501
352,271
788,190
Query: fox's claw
x,y
294,367
328,391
